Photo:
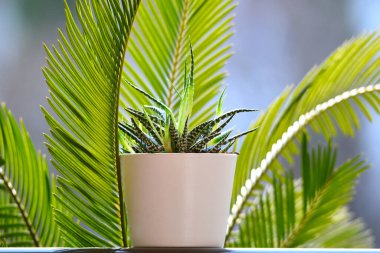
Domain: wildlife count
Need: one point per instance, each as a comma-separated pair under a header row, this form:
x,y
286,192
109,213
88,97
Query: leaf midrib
x,y
16,198
177,52
116,140
313,205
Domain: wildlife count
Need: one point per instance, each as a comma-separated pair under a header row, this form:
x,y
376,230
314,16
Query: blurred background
x,y
276,43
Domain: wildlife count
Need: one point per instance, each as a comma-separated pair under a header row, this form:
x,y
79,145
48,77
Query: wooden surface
x,y
184,250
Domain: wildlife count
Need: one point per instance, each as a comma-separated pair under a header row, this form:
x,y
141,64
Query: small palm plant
x,y
155,129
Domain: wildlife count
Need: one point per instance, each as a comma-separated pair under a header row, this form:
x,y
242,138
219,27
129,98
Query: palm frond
x,y
328,99
84,76
295,214
26,212
255,183
343,232
158,51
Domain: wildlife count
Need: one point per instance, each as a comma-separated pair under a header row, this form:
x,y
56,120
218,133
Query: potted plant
x,y
177,181
83,206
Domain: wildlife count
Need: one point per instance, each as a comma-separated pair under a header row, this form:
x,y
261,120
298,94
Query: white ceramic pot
x,y
179,199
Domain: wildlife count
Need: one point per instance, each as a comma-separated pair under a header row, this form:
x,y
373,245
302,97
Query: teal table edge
x,y
174,250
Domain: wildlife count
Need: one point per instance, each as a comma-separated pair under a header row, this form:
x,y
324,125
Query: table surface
x,y
175,250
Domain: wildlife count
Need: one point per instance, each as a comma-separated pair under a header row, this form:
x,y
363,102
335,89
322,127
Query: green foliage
x,y
344,231
300,214
84,76
327,100
26,214
156,129
158,50
3,243
110,42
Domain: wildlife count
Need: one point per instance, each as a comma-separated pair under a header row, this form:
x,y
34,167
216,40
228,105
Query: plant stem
x,y
116,138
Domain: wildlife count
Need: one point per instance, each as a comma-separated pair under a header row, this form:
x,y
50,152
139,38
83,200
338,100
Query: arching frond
x,y
26,212
295,214
84,76
255,182
328,100
158,51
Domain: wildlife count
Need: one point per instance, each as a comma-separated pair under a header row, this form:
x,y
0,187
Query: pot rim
x,y
178,154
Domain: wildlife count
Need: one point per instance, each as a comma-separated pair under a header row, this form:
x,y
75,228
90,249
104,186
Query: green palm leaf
x,y
300,215
159,46
26,213
84,76
328,99
343,232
